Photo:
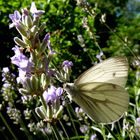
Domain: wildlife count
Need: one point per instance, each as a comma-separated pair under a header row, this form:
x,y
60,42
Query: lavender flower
x,y
99,56
46,40
25,12
21,77
52,94
26,99
67,64
138,126
80,113
46,43
5,72
138,121
84,128
21,60
5,69
7,77
14,114
34,11
23,63
93,137
16,18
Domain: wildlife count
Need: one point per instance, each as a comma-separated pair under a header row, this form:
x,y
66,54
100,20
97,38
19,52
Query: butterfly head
x,y
69,88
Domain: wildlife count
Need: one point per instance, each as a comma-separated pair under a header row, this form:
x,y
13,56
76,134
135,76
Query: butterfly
x,y
100,91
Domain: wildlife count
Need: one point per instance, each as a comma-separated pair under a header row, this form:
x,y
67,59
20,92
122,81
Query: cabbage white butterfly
x,y
100,91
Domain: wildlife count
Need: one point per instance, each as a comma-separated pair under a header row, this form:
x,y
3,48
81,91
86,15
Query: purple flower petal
x,y
34,10
138,121
5,69
99,56
84,128
67,63
22,76
47,43
16,18
93,137
46,38
52,94
25,12
25,66
59,91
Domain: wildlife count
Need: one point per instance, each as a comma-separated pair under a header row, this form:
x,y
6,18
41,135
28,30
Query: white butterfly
x,y
100,91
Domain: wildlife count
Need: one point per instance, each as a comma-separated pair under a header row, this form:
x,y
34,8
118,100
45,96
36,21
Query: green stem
x,y
25,130
72,119
34,114
120,130
56,133
111,132
103,132
64,130
89,10
6,124
125,43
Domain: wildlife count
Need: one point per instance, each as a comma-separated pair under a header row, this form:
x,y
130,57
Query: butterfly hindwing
x,y
105,103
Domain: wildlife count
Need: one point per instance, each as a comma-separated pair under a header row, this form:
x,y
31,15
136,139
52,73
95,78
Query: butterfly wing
x,y
100,90
113,70
104,103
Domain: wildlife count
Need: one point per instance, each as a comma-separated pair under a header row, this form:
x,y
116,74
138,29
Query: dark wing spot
x,y
114,74
114,87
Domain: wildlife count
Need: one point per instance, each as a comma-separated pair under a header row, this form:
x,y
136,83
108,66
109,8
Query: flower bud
x,y
49,112
34,29
19,42
28,85
26,41
23,91
34,83
21,28
44,43
35,42
40,112
44,81
28,21
59,112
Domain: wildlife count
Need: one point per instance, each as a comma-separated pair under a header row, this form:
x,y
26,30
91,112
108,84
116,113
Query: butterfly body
x,y
100,91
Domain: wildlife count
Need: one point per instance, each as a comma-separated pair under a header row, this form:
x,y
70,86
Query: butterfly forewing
x,y
113,70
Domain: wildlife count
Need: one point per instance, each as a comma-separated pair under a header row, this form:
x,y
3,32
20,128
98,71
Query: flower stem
x,y
64,130
72,119
56,133
25,130
8,127
111,132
